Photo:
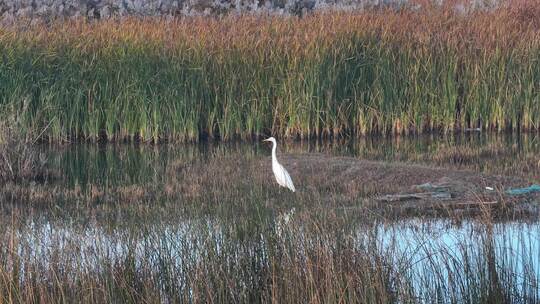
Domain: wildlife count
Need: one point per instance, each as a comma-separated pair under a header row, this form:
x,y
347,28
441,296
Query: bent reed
x,y
325,75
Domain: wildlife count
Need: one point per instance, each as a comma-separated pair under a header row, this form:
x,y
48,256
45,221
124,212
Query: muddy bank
x,y
410,187
238,183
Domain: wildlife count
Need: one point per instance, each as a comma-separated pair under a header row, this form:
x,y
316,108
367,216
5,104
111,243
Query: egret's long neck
x,y
274,146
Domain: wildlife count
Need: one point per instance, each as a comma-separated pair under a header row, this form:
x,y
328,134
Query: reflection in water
x,y
488,153
423,251
257,236
442,248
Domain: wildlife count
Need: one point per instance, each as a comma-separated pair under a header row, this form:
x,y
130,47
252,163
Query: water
x,y
429,245
236,223
423,251
493,153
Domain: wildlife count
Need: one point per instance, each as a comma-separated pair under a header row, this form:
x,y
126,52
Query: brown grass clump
x,y
20,161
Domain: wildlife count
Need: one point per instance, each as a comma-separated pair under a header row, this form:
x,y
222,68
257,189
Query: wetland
x,y
207,223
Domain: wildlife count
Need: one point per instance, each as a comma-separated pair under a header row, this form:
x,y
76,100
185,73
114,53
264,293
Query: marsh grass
x,y
324,75
209,225
319,257
487,153
20,160
206,179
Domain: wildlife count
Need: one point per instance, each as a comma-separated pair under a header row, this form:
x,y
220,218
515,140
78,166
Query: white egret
x,y
282,176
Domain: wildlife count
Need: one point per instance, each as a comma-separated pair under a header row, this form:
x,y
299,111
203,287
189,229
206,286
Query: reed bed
x,y
148,224
291,257
327,74
19,159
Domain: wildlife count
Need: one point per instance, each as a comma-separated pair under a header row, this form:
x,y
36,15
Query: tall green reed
x,y
322,75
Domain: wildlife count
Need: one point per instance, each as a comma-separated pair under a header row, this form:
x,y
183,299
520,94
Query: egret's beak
x,y
266,139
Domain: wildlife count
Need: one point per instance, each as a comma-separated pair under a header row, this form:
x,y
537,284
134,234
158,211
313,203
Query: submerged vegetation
x,y
209,178
312,256
207,223
376,71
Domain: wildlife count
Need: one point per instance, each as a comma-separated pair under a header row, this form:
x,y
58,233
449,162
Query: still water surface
x,y
423,248
495,154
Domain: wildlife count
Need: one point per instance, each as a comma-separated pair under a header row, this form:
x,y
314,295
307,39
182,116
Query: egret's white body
x,y
282,176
